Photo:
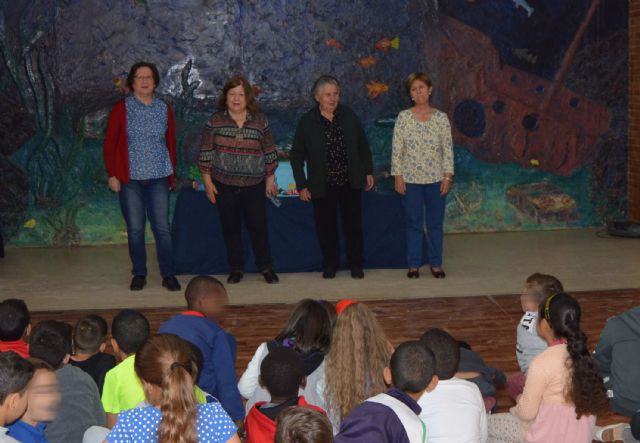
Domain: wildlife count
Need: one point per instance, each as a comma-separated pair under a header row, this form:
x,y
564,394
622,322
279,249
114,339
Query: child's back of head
x,y
15,373
413,367
299,424
543,286
89,334
14,319
130,329
51,341
308,327
282,372
446,351
207,295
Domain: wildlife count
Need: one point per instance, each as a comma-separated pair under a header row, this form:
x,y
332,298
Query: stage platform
x,y
490,264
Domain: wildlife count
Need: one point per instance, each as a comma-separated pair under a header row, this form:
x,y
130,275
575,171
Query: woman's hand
x,y
445,185
271,186
114,184
370,183
400,185
211,191
305,195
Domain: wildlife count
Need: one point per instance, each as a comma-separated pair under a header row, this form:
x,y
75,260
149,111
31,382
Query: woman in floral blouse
x,y
422,164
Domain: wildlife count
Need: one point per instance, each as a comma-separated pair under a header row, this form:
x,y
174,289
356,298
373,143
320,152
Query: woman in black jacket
x,y
332,142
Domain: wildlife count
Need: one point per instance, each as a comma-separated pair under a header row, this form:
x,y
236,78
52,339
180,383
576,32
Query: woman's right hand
x,y
114,184
211,191
305,195
400,185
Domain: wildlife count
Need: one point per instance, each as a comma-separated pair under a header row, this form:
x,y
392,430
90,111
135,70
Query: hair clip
x,y
546,307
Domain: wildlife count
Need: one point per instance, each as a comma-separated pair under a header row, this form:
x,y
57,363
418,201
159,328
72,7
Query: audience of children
x,y
563,392
282,374
89,342
168,371
80,406
15,374
454,410
206,300
15,326
43,399
528,342
299,424
394,416
308,332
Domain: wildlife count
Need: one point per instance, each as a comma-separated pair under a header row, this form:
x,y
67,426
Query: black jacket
x,y
310,146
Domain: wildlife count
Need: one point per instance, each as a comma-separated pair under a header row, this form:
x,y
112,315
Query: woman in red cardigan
x,y
140,158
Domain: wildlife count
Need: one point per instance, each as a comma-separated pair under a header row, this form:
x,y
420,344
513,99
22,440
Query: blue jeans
x,y
416,200
140,199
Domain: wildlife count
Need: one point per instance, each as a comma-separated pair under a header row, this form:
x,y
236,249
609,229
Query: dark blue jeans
x,y
140,199
416,200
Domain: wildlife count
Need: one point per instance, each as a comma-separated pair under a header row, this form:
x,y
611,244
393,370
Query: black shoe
x,y
413,273
270,276
138,282
357,273
235,277
171,283
438,274
329,273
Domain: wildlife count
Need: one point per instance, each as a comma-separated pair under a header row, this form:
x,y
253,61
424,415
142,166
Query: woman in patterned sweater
x,y
422,164
238,160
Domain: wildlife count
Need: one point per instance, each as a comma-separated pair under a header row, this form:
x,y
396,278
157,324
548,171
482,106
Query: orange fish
x,y
375,88
332,42
386,44
256,90
367,62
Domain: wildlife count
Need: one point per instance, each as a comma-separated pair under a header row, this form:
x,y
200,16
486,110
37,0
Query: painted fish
x,y
30,224
375,88
367,62
256,90
524,54
524,5
333,43
535,162
386,44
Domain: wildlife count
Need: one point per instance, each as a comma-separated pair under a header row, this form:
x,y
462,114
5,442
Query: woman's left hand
x,y
271,187
370,183
445,186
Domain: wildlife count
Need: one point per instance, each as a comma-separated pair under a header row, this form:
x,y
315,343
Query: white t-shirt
x,y
4,438
454,412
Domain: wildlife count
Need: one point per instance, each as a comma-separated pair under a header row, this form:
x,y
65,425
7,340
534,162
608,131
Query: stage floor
x,y
477,265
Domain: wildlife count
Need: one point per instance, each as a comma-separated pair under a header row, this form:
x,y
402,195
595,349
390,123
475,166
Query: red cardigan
x,y
260,428
116,147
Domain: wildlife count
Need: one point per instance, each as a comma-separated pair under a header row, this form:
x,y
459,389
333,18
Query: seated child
x,y
299,424
393,417
206,300
454,410
473,368
80,405
15,374
89,337
15,327
166,367
43,399
528,344
281,374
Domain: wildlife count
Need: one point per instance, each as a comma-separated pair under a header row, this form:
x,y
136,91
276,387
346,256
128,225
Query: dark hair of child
x,y
202,286
299,424
51,341
586,391
308,327
545,284
14,319
282,371
412,367
130,329
15,373
89,334
446,351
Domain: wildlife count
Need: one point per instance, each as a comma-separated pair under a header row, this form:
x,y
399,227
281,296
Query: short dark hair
x,y
282,371
445,349
412,367
130,329
15,373
546,285
89,333
301,424
14,319
235,81
154,71
50,341
202,286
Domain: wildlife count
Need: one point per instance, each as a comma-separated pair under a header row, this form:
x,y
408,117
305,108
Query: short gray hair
x,y
322,81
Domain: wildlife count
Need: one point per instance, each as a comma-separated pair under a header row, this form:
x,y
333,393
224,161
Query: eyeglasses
x,y
146,78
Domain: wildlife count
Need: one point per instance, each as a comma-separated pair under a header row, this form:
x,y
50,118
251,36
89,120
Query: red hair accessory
x,y
343,304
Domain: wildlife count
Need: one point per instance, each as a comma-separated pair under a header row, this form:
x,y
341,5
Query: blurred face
x,y
328,98
236,100
143,82
213,306
529,298
419,92
43,396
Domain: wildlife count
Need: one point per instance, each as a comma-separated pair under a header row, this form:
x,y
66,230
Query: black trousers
x,y
248,203
326,216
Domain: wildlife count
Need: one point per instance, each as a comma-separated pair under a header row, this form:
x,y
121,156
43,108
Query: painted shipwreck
x,y
506,115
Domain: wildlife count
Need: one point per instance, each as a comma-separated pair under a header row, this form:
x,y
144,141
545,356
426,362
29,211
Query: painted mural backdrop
x,y
536,92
